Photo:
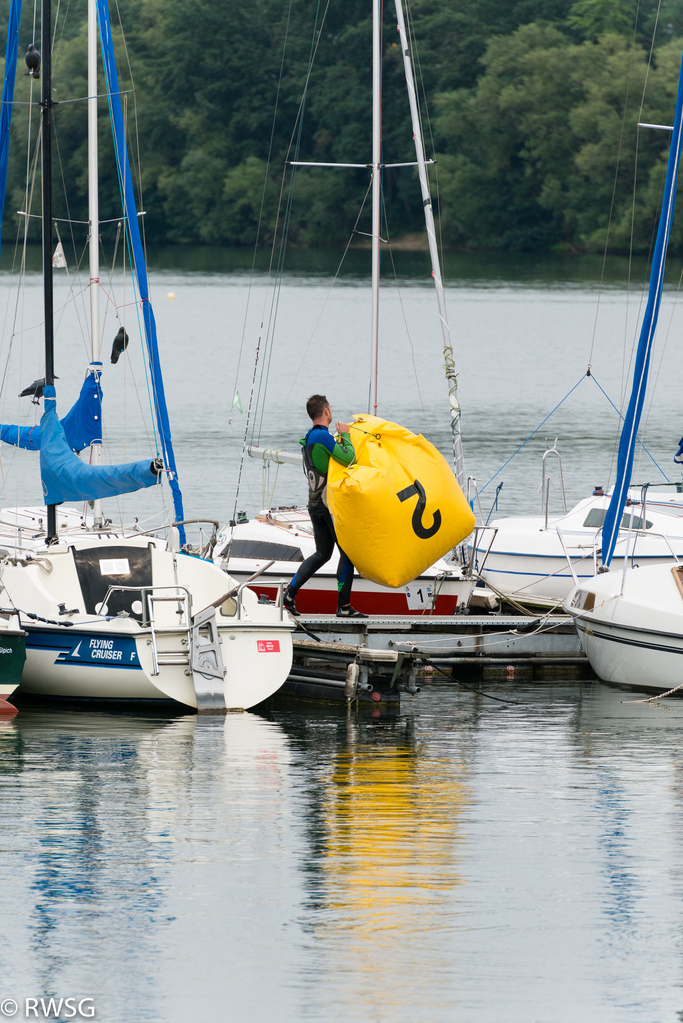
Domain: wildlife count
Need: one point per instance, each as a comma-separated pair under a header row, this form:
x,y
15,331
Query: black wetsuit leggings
x,y
325,539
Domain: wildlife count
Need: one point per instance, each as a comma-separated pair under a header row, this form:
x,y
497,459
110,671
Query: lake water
x,y
524,331
469,860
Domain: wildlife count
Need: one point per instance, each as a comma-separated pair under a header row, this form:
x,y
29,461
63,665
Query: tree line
x,y
530,108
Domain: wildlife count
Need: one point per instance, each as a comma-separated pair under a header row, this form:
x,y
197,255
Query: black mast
x,y
46,174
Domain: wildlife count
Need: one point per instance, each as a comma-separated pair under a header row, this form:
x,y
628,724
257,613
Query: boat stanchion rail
x,y
205,549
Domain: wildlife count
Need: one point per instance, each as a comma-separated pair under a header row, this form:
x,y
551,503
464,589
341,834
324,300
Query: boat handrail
x,y
545,482
149,598
279,602
205,551
147,591
625,538
475,545
472,482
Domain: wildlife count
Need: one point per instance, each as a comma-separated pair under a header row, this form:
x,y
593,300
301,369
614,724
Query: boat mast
x,y
46,188
449,364
94,221
376,191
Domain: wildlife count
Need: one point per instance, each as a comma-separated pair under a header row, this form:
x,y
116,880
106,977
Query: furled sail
x,y
66,478
629,430
82,424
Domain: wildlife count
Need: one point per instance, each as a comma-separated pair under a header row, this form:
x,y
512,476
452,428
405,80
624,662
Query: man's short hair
x,y
316,405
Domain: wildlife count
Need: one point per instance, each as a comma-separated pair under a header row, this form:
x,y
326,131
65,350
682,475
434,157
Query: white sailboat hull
x,y
93,653
634,638
52,670
633,657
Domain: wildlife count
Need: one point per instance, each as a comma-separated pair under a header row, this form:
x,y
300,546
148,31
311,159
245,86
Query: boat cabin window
x,y
100,567
262,550
597,516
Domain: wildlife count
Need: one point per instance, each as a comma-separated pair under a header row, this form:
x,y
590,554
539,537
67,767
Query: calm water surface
x,y
469,860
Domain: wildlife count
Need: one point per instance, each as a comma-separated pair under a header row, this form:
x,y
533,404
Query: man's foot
x,y
289,603
349,612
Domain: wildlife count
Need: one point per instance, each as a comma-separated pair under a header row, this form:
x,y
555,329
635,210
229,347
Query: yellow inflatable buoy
x,y
398,508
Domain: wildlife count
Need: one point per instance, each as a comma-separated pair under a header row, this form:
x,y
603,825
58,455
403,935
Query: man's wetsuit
x,y
319,446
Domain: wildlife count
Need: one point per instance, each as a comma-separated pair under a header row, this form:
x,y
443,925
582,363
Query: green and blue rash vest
x,y
319,446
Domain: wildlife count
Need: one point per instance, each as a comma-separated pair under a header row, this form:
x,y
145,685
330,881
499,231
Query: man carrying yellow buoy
x,y
319,446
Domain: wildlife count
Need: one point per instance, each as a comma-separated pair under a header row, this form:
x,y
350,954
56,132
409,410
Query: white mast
x,y
94,218
449,364
376,191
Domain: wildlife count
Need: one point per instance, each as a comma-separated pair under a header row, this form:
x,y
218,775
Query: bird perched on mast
x,y
120,345
35,390
32,58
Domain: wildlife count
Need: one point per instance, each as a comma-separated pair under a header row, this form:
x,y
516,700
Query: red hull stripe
x,y
324,602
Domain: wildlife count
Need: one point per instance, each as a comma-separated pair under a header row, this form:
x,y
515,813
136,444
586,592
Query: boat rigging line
x,y
261,207
296,133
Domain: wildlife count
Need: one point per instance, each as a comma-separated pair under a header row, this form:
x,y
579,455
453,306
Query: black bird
x,y
35,390
120,345
32,58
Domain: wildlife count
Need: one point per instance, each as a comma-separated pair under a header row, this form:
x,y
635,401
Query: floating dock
x,y
374,660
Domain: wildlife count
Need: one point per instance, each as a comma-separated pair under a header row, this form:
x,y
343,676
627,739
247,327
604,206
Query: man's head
x,y
318,408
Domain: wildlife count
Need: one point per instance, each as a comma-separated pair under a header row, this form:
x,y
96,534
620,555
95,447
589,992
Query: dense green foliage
x,y
533,109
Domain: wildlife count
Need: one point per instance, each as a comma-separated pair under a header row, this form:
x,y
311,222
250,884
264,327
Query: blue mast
x,y
128,195
8,97
629,430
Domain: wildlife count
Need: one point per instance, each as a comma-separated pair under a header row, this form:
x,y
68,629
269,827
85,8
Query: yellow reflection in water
x,y
392,831
391,823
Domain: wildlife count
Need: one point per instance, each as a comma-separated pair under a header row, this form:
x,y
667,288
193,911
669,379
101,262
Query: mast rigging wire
x,y
263,200
614,186
314,49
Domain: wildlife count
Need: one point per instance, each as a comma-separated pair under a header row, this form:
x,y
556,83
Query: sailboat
x,y
536,560
284,536
111,614
630,622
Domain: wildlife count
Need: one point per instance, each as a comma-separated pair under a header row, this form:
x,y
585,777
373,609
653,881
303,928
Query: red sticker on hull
x,y
268,646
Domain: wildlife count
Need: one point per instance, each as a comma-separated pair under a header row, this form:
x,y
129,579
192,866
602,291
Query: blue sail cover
x,y
629,430
66,478
8,97
128,194
82,424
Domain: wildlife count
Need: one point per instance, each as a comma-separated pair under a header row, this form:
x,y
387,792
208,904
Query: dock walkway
x,y
375,659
